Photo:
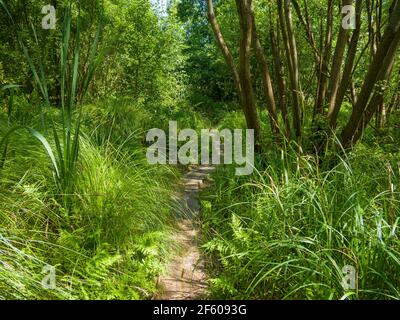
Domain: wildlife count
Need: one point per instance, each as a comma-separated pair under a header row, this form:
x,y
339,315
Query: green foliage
x,y
77,193
287,232
112,247
208,77
95,211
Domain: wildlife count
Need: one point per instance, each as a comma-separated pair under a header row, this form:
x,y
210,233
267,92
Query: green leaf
x,y
10,86
37,135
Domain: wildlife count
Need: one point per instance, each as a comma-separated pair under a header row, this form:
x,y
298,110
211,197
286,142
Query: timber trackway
x,y
185,278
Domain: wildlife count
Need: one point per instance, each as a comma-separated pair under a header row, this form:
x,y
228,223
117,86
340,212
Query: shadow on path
x,y
185,278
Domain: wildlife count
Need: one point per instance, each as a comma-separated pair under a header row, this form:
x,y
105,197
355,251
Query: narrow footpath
x,y
185,278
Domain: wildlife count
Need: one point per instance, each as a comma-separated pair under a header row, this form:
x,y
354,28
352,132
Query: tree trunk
x,y
378,70
246,30
378,98
334,108
266,77
323,72
289,40
241,77
337,62
280,78
224,48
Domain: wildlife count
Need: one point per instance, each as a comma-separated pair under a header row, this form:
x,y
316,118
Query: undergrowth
x,y
112,246
288,230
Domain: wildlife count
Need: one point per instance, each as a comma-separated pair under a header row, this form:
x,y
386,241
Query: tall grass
x,y
112,247
288,231
91,208
66,143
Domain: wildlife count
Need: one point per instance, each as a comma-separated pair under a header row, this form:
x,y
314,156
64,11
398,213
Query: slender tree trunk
x,y
241,77
394,100
224,48
323,74
246,31
374,32
280,78
334,106
371,28
378,70
305,21
266,77
289,40
378,98
353,93
337,62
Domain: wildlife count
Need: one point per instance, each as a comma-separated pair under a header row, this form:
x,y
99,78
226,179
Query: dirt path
x,y
185,278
